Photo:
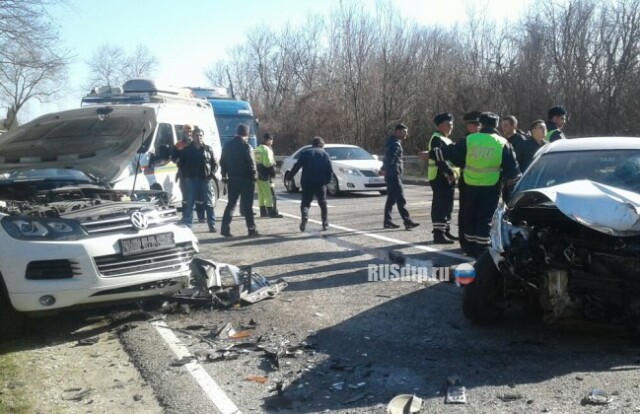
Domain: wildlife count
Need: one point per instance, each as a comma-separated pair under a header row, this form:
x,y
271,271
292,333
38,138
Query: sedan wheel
x,y
332,188
289,183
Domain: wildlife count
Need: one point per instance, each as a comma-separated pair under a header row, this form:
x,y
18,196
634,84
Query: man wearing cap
x,y
238,169
556,118
442,179
471,126
266,167
486,157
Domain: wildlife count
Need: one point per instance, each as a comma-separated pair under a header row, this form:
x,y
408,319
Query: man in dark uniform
x,y
556,119
392,167
197,166
239,172
316,174
526,150
442,179
486,157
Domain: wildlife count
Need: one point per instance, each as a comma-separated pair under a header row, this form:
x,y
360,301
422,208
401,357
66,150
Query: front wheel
x,y
482,300
332,188
12,322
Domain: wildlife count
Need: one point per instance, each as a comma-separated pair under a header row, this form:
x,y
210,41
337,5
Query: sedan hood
x,y
97,140
609,210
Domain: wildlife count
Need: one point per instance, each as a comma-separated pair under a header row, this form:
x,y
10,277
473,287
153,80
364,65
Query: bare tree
x,y
111,65
29,74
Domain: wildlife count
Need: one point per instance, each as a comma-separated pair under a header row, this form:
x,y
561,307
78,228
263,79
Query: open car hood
x,y
609,210
97,140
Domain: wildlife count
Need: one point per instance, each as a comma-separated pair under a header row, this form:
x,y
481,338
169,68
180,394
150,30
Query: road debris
x,y
404,403
456,392
76,394
88,341
182,361
257,378
597,397
508,397
225,285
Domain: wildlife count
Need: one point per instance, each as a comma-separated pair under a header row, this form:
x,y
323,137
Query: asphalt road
x,y
354,345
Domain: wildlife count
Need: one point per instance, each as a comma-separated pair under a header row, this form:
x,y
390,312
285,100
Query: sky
x,y
187,36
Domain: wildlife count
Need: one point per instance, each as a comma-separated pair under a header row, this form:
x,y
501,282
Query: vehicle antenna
x,y
233,94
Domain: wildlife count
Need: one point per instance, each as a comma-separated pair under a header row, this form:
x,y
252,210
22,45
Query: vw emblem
x,y
139,220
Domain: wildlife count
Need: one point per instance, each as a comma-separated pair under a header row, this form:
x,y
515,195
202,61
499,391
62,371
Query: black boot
x,y
263,211
450,236
273,213
438,238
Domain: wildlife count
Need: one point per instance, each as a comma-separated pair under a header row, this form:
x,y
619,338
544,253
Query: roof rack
x,y
140,91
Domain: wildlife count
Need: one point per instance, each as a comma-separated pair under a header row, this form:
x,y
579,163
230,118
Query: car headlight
x,y
497,233
349,171
40,228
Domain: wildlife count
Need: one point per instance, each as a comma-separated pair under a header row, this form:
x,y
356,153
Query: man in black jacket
x,y
239,172
392,167
316,174
556,119
197,166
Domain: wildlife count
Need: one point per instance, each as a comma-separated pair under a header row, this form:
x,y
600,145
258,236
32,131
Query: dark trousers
x,y
198,189
307,197
395,196
441,204
242,188
200,203
462,190
480,203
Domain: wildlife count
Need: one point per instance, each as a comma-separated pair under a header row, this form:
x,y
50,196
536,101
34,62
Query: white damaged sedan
x,y
354,169
69,240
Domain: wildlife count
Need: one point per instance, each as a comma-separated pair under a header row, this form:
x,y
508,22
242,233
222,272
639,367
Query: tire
x,y
289,183
333,189
383,192
12,322
482,300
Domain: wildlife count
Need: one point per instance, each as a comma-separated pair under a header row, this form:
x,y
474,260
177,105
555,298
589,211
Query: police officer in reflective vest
x,y
266,167
556,118
486,157
442,179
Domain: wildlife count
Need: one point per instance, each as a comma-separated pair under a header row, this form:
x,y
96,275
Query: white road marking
x,y
383,238
211,389
291,200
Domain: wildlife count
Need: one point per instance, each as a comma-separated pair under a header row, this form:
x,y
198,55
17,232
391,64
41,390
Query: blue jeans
x,y
198,189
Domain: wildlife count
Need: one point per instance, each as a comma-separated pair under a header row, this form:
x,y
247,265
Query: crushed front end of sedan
x,y
571,249
69,239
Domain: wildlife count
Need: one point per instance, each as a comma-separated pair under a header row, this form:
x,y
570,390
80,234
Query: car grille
x,y
122,221
52,269
166,260
369,173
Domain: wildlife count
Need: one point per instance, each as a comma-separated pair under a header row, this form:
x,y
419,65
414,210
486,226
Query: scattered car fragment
x,y
569,237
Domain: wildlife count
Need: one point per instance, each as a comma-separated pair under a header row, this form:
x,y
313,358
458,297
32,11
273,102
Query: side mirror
x,y
375,157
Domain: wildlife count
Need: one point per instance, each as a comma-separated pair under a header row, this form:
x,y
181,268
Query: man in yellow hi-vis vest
x,y
266,167
487,159
442,177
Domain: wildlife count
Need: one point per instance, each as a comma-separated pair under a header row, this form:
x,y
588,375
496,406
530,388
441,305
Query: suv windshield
x,y
617,168
348,153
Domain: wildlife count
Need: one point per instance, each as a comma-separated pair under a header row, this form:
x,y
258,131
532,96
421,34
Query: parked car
x,y
354,169
67,238
568,240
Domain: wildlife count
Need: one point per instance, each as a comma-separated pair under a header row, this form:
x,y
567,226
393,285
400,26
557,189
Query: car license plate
x,y
378,180
146,243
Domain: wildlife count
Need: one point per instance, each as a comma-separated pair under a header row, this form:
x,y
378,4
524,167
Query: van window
x,y
164,142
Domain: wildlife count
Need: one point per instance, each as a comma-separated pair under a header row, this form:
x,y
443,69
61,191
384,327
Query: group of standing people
x,y
485,164
240,167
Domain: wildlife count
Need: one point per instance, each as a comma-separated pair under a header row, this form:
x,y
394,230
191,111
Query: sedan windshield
x,y
617,168
348,153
